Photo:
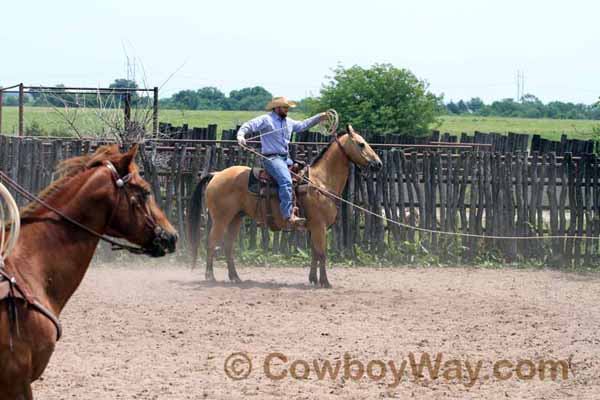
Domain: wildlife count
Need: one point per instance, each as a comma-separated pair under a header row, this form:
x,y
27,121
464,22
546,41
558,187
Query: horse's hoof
x,y
235,279
210,278
326,285
312,277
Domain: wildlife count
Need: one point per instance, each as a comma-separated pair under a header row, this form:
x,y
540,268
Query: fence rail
x,y
474,192
494,142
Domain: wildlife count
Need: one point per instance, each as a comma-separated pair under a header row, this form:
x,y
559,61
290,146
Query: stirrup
x,y
296,222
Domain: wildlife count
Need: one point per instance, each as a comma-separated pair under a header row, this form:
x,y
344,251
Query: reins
x,y
120,183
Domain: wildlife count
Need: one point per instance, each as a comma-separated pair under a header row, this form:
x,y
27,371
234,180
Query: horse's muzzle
x,y
163,243
375,165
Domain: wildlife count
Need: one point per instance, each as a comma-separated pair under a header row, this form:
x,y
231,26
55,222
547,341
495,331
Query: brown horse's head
x,y
360,152
135,216
107,192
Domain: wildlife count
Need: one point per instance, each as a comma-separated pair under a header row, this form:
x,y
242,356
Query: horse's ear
x,y
349,130
127,159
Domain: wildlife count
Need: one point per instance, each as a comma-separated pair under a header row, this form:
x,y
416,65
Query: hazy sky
x,y
463,48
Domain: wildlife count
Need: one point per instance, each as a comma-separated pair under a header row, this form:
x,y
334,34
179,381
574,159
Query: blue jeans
x,y
277,167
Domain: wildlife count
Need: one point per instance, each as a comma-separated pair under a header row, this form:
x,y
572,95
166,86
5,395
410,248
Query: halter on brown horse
x,y
105,194
228,200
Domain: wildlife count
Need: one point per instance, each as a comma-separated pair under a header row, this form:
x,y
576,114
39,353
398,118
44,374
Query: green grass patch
x,y
547,128
48,121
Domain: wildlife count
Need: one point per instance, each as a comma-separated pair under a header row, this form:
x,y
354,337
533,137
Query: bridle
x,y
149,220
121,183
342,147
361,170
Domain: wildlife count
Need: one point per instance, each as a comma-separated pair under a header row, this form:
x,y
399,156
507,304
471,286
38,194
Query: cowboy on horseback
x,y
276,131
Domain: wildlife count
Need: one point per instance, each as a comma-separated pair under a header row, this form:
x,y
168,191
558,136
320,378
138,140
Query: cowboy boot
x,y
296,221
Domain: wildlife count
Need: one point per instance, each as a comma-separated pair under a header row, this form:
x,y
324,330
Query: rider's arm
x,y
301,126
251,126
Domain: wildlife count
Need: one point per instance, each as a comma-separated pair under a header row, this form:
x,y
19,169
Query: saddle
x,y
260,179
11,292
261,184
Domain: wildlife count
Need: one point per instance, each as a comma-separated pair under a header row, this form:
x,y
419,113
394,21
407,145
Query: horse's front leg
x,y
18,389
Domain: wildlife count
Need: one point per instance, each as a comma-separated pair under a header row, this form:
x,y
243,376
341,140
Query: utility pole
x,y
520,81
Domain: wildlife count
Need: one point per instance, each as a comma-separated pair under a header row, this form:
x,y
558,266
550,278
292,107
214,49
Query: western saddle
x,y
264,186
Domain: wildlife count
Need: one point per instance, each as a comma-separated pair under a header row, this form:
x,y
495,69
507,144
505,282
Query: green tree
x,y
186,99
462,107
452,108
475,104
250,99
505,108
210,98
122,83
9,99
308,104
381,99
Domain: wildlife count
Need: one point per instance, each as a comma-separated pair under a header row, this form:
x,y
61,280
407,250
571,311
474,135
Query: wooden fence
x,y
473,192
496,142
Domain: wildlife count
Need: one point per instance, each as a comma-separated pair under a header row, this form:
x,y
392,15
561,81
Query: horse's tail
x,y
195,216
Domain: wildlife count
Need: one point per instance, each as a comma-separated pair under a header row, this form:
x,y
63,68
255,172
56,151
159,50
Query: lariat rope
x,y
332,121
330,125
9,220
326,127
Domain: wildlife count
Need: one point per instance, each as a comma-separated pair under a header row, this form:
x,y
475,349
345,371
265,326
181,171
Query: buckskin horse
x,y
228,199
98,194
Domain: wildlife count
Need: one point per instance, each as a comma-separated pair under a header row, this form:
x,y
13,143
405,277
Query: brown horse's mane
x,y
324,150
67,170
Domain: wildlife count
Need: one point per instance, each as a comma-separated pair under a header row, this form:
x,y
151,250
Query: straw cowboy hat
x,y
280,102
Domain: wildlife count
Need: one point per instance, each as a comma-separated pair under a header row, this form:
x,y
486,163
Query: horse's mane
x,y
68,169
324,150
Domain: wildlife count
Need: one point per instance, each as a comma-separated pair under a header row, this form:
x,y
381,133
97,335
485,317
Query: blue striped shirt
x,y
277,141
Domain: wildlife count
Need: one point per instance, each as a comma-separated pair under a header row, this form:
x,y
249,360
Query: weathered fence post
x,y
1,98
155,112
21,107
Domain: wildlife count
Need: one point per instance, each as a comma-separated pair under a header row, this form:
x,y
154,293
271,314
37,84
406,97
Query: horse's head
x,y
134,214
360,152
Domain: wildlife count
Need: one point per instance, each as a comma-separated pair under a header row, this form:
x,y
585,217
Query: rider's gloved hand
x,y
241,140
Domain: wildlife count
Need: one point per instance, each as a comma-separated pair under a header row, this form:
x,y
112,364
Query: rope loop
x,y
10,220
330,125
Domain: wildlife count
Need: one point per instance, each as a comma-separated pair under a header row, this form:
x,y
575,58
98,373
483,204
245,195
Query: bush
x,y
383,99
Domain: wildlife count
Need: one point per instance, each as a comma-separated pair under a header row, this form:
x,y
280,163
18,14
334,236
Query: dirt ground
x,y
158,331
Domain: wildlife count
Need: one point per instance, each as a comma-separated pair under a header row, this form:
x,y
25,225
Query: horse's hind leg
x,y
231,235
214,237
318,237
312,276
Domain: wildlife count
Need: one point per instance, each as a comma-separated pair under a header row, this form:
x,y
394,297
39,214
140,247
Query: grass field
x,y
547,128
52,123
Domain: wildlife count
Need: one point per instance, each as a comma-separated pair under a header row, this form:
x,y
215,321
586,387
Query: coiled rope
x,y
10,223
330,125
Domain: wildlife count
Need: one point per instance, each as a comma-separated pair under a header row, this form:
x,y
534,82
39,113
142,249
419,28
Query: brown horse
x,y
228,200
103,192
